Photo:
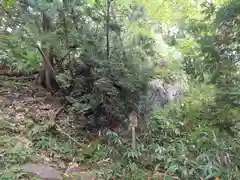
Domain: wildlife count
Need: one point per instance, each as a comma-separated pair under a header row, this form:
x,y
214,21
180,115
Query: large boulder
x,y
158,96
174,92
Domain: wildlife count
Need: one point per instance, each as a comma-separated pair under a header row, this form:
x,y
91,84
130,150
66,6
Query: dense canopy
x,y
175,64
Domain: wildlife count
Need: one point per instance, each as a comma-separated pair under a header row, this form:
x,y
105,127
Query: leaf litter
x,y
22,107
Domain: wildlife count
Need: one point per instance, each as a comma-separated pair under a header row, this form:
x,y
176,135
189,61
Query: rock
x,y
154,100
158,96
5,101
19,109
78,173
51,99
43,171
74,172
40,94
174,92
163,64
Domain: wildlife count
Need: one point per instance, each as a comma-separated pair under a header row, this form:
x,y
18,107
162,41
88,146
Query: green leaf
x,y
10,3
167,178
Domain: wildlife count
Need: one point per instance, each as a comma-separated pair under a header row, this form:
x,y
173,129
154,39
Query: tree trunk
x,y
47,76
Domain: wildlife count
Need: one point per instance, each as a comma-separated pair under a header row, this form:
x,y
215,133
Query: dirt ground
x,y
27,112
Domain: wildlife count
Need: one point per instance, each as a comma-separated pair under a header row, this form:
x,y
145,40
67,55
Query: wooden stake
x,y
134,120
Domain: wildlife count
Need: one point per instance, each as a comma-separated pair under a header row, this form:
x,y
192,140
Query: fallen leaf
x,y
20,116
45,107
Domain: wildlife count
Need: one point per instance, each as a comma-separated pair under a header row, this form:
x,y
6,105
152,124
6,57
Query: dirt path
x,y
28,118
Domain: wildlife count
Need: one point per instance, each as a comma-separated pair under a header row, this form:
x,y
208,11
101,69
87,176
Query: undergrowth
x,y
195,139
17,150
177,145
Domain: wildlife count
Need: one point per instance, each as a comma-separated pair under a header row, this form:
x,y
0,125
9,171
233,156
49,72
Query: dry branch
x,y
71,138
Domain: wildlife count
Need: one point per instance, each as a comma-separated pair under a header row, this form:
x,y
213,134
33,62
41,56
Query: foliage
x,y
210,59
92,81
198,138
21,56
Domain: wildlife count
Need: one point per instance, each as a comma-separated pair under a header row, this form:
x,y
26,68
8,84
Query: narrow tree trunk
x,y
46,76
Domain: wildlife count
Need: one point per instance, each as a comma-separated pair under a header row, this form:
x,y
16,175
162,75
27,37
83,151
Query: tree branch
x,y
107,26
3,8
119,35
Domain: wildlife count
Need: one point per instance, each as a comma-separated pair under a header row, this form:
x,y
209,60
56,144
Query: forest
x,y
120,89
